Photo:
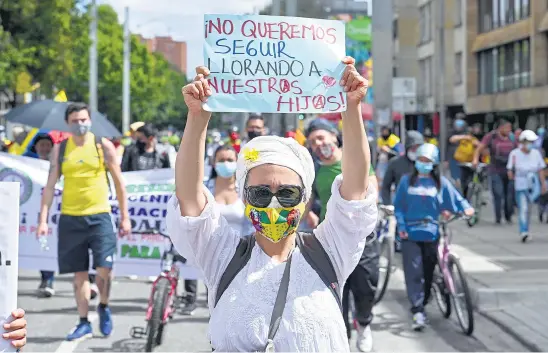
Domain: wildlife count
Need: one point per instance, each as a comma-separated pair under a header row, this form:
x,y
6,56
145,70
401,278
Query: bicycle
x,y
386,230
444,283
474,194
163,299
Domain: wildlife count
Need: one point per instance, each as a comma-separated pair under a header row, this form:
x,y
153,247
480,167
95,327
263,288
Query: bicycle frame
x,y
171,272
444,250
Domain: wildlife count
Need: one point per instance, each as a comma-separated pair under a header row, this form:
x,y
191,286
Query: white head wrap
x,y
275,150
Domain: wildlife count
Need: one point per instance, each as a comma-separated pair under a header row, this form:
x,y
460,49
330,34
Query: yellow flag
x,y
61,96
300,137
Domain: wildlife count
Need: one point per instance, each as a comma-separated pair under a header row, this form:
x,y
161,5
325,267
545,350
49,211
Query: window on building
x,y
458,13
425,23
458,69
395,29
498,13
425,86
505,68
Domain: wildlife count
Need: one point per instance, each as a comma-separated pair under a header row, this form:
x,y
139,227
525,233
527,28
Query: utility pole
x,y
383,63
93,67
441,80
126,94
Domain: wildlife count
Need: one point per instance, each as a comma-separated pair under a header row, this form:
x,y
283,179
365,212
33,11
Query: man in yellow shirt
x,y
85,221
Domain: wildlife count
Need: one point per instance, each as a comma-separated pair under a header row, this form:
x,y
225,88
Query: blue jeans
x,y
48,276
503,192
524,209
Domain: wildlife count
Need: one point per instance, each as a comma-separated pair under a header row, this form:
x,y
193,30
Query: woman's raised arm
x,y
189,166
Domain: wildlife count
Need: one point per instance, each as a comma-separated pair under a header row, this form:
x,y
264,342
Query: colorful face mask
x,y
275,223
326,151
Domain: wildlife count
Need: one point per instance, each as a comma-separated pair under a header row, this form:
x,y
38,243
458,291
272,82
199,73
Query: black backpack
x,y
310,247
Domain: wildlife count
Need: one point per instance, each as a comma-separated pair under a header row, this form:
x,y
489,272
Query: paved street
x,y
510,281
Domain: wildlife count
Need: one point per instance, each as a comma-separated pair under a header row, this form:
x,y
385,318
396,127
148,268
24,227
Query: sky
x,y
181,19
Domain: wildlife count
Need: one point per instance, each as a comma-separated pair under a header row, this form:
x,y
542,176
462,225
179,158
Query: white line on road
x,y
70,346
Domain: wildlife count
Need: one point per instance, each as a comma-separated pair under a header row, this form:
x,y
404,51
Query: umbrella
x,y
367,114
50,115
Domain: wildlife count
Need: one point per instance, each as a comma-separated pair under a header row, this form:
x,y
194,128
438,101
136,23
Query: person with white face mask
x,y
526,167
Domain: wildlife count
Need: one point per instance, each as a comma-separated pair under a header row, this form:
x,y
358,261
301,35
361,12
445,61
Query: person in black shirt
x,y
145,156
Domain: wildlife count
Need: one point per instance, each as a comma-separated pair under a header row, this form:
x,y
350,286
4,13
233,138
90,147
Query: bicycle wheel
x,y
155,324
475,198
461,297
385,267
443,299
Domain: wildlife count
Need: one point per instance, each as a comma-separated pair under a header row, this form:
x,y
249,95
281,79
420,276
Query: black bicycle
x,y
475,192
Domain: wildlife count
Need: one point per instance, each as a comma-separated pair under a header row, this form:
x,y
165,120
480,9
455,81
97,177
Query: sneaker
x,y
419,321
364,342
45,290
151,279
524,237
132,277
81,331
94,290
105,320
189,308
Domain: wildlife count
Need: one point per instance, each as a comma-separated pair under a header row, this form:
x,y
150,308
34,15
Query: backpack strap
x,y
319,260
239,260
101,154
61,156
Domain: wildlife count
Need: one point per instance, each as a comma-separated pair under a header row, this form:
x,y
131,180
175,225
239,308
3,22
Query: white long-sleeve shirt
x,y
312,321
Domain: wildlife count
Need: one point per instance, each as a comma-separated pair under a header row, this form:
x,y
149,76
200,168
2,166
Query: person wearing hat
x,y
526,167
280,278
420,195
324,142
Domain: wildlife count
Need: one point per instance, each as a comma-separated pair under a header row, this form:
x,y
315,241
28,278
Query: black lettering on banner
x,y
314,68
8,262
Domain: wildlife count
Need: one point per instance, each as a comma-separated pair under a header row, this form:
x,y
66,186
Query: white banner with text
x,y
138,254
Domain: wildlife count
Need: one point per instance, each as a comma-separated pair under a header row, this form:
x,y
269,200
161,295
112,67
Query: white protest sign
x,y
274,64
9,243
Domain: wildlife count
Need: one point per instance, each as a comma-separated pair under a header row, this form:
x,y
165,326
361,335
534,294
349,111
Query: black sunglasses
x,y
261,195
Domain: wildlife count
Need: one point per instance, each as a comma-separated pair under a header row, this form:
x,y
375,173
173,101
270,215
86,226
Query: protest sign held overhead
x,y
274,64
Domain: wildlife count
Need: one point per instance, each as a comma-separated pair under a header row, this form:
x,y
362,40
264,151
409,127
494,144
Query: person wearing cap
x,y
323,140
423,194
274,178
526,167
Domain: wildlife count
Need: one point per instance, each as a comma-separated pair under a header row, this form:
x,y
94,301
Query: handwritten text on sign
x,y
274,64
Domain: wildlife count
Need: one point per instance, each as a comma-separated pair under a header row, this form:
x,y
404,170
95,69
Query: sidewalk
x,y
509,278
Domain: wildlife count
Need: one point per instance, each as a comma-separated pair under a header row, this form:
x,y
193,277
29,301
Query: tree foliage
x,y
49,39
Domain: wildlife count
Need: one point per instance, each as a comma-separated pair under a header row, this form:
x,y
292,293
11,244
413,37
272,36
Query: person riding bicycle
x,y
398,167
323,140
526,167
388,147
421,195
274,178
464,153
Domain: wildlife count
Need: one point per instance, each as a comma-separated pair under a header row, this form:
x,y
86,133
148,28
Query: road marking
x,y
70,346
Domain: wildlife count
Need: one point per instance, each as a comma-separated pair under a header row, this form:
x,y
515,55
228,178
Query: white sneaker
x,y
132,277
151,279
364,342
419,321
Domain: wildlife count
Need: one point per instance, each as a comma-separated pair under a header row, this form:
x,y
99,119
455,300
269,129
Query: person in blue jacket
x,y
423,194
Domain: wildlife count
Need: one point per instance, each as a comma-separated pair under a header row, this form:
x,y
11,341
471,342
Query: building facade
x,y
174,51
507,49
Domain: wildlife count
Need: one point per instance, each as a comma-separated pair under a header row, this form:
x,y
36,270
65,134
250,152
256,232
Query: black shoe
x,y
509,221
188,308
45,290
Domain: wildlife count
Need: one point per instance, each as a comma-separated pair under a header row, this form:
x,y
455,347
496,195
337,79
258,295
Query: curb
x,y
531,346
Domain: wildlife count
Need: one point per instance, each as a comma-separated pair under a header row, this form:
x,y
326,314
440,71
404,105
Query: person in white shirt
x,y
526,167
274,176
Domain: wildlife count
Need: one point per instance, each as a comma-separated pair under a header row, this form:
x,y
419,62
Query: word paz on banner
x,y
274,64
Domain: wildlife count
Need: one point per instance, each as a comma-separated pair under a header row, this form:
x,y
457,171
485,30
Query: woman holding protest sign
x,y
283,287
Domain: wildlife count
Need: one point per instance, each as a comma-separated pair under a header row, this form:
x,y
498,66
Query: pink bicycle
x,y
163,300
449,285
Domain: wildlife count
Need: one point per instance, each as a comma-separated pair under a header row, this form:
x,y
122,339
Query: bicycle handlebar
x,y
471,166
387,209
151,231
